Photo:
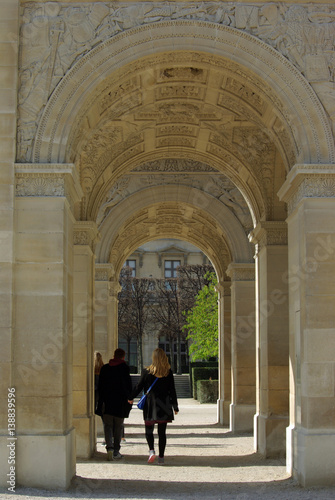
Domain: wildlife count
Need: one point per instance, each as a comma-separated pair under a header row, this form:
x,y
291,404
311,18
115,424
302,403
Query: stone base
x,y
46,462
85,436
270,435
223,412
242,418
311,456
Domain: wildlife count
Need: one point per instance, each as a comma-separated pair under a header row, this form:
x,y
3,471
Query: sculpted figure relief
x,y
54,36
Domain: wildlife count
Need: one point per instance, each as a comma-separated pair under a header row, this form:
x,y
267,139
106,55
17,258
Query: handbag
x,y
141,403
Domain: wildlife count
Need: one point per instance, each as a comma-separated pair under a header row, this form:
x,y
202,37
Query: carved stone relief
x,y
54,36
171,218
313,186
177,172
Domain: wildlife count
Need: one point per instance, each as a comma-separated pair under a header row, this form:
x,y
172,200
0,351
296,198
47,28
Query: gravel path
x,y
203,461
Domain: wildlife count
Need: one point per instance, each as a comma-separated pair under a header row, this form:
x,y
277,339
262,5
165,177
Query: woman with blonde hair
x,y
160,403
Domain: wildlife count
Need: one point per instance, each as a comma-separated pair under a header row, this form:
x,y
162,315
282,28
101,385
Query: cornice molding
x,y
272,233
241,271
48,180
308,181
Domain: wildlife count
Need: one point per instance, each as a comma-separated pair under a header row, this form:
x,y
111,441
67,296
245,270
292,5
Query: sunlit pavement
x,y
203,461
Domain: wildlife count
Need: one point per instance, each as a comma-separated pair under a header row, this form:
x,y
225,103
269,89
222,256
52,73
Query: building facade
x,y
123,123
157,259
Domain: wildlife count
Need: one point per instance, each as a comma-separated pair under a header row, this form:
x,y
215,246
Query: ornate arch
x,y
163,212
305,116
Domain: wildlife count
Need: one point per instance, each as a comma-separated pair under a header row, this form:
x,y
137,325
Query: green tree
x,y
202,322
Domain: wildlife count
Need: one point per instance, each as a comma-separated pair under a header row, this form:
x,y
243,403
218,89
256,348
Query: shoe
x,y
152,457
160,460
109,455
117,456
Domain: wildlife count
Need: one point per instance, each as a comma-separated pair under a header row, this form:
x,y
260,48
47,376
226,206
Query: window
x,y
170,268
132,265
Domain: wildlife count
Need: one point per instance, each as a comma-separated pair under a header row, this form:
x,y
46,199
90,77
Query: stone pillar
x,y
310,193
112,311
9,45
272,401
243,351
42,363
103,273
224,400
85,235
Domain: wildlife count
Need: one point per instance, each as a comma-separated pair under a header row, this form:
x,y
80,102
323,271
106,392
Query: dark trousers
x,y
113,432
149,434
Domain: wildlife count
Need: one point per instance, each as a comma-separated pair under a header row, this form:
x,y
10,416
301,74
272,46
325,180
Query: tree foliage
x,y
202,322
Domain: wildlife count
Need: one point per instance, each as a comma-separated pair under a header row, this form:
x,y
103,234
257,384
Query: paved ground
x,y
203,461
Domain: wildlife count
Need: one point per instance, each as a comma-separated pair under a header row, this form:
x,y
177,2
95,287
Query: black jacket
x,y
161,400
114,389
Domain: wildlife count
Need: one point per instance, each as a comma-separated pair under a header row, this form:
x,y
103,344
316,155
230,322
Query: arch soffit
x,y
171,220
229,165
311,128
190,209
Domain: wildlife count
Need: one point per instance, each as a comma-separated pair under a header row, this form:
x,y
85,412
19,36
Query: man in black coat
x,y
114,389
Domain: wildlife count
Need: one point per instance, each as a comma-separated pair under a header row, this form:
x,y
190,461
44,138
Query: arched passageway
x,y
190,129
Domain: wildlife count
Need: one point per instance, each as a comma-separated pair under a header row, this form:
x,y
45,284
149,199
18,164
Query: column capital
x,y
114,289
241,271
307,181
223,288
104,271
48,180
269,233
85,233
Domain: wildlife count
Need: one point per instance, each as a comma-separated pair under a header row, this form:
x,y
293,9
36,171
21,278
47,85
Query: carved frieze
x,y
246,93
174,165
48,180
103,272
55,35
175,130
185,73
175,141
241,272
270,233
180,91
312,186
307,181
40,185
85,233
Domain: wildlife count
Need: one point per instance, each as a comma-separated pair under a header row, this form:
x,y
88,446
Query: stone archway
x,y
256,96
291,96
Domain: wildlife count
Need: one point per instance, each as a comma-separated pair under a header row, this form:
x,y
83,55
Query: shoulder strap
x,y
152,385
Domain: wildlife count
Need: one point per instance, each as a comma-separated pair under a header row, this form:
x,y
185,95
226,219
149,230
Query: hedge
x,y
207,391
203,373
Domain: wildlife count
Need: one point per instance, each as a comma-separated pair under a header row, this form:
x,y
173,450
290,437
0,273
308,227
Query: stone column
x,y
85,236
272,399
102,344
42,364
103,274
9,46
243,351
310,193
224,400
112,311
